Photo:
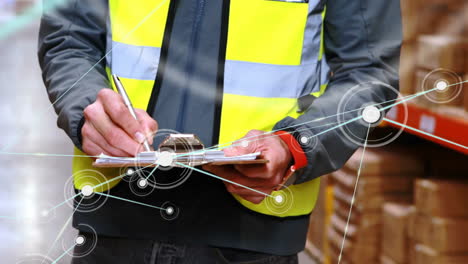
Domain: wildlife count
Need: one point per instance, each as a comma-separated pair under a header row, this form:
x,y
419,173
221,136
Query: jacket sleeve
x,y
362,40
72,43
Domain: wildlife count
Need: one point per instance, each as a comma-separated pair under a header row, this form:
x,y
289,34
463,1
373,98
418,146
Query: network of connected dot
x,y
89,198
87,190
371,114
80,240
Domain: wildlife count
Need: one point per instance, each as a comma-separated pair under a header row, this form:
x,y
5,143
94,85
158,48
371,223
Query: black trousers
x,y
131,251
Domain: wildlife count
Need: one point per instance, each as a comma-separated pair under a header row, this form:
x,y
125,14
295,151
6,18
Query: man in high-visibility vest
x,y
224,70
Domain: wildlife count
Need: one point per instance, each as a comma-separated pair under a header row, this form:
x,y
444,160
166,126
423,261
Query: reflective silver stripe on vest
x,y
312,33
240,77
268,80
134,62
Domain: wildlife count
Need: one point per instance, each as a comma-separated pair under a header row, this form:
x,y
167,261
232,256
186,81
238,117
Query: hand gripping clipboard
x,y
178,150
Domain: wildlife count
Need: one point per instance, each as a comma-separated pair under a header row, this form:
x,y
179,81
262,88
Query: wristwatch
x,y
299,157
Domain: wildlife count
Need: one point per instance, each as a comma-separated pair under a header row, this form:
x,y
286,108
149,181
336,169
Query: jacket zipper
x,y
151,108
190,65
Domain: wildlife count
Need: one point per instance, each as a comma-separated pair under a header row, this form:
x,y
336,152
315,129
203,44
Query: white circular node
x,y
80,240
130,171
245,143
165,159
44,213
371,114
304,140
441,85
279,198
169,210
87,190
142,183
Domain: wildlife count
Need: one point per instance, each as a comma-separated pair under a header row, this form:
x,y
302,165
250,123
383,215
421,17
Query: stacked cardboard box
x,y
316,245
435,43
407,68
442,58
437,31
447,52
425,255
386,175
411,28
395,237
439,227
447,18
444,17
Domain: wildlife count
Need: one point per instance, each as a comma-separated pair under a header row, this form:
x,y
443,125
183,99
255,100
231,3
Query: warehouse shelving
x,y
445,129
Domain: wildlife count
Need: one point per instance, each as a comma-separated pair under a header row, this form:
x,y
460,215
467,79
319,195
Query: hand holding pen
x,y
110,127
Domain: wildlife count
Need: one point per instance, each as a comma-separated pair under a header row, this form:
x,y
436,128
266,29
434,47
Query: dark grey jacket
x,y
362,41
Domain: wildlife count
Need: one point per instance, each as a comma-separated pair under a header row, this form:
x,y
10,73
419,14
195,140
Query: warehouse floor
x,y
31,183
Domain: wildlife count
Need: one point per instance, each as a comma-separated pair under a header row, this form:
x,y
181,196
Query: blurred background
x,y
29,183
409,201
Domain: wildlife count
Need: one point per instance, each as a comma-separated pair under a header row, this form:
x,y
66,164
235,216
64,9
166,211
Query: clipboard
x,y
152,165
186,149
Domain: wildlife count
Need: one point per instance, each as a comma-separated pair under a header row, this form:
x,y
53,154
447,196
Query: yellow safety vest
x,y
272,49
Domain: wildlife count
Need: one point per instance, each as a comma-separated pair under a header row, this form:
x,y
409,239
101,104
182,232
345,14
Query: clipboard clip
x,y
181,143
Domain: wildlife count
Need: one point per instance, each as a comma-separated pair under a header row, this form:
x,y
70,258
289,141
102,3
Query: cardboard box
x,y
410,11
353,253
342,210
465,94
449,5
454,24
395,240
408,68
318,216
334,255
411,231
369,186
445,235
441,198
372,203
447,52
447,18
387,260
314,253
388,161
427,255
421,17
421,84
367,232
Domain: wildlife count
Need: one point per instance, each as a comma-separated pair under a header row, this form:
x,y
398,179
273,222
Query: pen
x,y
128,103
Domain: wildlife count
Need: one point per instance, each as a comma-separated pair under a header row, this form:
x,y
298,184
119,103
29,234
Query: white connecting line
x,y
354,195
425,133
220,178
209,174
62,230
